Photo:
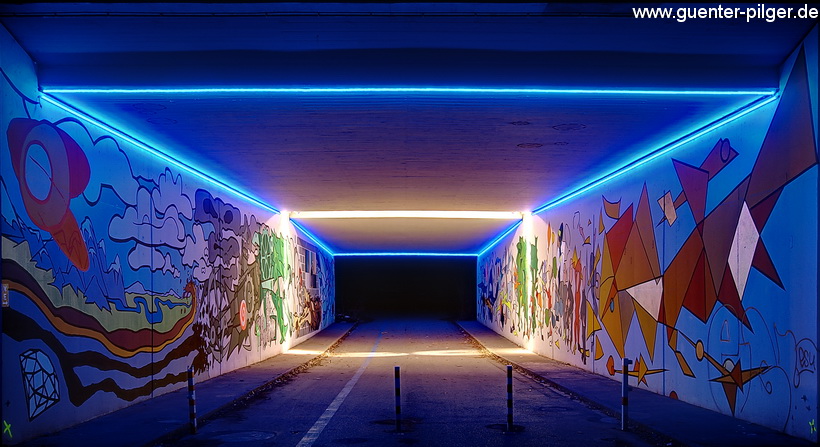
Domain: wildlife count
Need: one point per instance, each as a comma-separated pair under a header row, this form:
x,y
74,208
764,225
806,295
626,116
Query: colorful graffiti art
x,y
122,273
670,265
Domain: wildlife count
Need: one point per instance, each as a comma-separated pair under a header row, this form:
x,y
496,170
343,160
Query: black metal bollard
x,y
625,396
509,399
397,374
191,401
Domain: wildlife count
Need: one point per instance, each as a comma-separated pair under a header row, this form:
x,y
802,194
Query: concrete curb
x,y
633,425
183,430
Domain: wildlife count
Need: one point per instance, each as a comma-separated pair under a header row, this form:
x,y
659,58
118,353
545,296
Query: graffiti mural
x,y
123,272
702,272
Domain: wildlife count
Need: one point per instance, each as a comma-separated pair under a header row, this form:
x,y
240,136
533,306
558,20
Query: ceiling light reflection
x,y
513,351
302,352
367,354
447,352
425,353
410,89
508,215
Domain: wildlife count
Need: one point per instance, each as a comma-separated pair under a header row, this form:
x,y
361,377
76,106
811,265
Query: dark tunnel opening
x,y
420,287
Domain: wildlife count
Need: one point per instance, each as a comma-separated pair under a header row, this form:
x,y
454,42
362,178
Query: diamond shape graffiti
x,y
39,381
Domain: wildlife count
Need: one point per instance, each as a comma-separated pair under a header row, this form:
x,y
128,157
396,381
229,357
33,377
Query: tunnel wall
x,y
701,266
123,271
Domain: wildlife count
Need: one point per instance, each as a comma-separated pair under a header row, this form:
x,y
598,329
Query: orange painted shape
x,y
592,321
599,351
684,365
612,209
610,366
649,329
611,321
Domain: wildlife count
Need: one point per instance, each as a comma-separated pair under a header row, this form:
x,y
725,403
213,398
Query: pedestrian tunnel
x,y
192,192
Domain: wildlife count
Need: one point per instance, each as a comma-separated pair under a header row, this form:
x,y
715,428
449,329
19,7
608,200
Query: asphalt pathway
x,y
453,394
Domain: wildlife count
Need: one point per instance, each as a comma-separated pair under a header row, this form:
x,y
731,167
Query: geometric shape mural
x,y
734,286
39,382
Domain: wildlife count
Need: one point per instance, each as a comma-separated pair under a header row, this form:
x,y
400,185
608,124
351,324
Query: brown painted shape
x,y
730,390
677,278
737,374
694,182
788,148
680,200
719,231
763,263
643,223
760,213
719,157
729,296
700,296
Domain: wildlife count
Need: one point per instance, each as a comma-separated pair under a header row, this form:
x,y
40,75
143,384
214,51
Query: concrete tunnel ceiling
x,y
513,148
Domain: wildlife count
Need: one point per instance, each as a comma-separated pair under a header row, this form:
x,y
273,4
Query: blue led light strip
x,y
743,111
471,90
312,237
407,254
499,238
157,153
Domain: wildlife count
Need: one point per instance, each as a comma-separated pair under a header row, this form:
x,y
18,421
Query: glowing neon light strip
x,y
472,90
499,238
158,153
313,238
405,214
659,152
407,254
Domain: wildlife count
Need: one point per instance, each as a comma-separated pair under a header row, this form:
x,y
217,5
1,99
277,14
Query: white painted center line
x,y
314,432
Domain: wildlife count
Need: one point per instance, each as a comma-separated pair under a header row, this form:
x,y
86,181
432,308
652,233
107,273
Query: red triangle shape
x,y
617,237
